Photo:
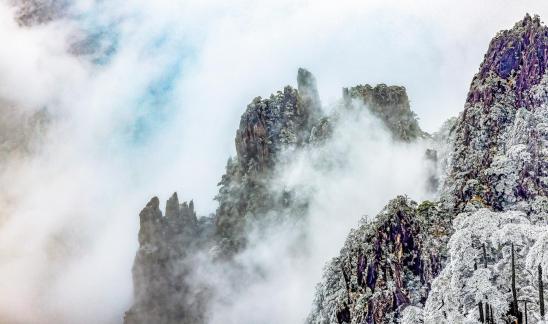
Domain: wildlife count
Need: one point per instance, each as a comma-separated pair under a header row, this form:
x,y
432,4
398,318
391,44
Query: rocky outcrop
x,y
500,156
498,176
267,127
310,98
496,159
288,120
291,119
162,265
515,62
391,105
271,124
162,293
384,266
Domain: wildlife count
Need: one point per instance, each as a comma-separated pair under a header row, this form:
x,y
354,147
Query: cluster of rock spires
x,y
288,119
165,241
496,159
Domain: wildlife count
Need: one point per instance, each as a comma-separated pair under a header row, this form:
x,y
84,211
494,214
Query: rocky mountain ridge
x,y
289,119
496,159
497,162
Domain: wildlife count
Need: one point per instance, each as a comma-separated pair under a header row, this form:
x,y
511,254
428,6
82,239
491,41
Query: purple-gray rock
x,y
287,120
384,266
498,160
499,157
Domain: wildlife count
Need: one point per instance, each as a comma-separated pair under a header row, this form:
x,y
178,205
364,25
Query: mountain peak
x,y
305,79
508,92
528,20
516,60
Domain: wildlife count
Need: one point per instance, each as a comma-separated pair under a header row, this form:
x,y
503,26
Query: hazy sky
x,y
209,59
174,76
154,108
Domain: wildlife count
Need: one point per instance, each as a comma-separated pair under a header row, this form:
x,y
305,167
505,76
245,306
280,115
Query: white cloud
x,y
112,145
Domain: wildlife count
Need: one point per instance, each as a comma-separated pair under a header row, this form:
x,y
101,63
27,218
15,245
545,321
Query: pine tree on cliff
x,y
515,310
540,291
480,304
525,307
484,256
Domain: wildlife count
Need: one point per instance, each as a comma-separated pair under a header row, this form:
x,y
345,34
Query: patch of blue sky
x,y
156,105
152,108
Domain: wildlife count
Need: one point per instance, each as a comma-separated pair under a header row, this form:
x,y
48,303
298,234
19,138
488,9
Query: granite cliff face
x,y
267,127
161,267
384,265
391,268
391,105
500,155
288,120
498,178
496,160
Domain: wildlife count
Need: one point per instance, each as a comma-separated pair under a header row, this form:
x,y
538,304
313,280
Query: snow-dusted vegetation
x,y
337,203
479,268
491,218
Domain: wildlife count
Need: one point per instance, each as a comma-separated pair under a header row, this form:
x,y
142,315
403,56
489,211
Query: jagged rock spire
x,y
161,264
308,91
172,206
148,217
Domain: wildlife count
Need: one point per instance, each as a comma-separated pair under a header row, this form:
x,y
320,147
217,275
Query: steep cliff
x,y
496,159
500,152
289,120
162,293
267,127
391,105
384,265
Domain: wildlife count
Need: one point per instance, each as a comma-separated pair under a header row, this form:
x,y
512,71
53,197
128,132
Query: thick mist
x,y
142,98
